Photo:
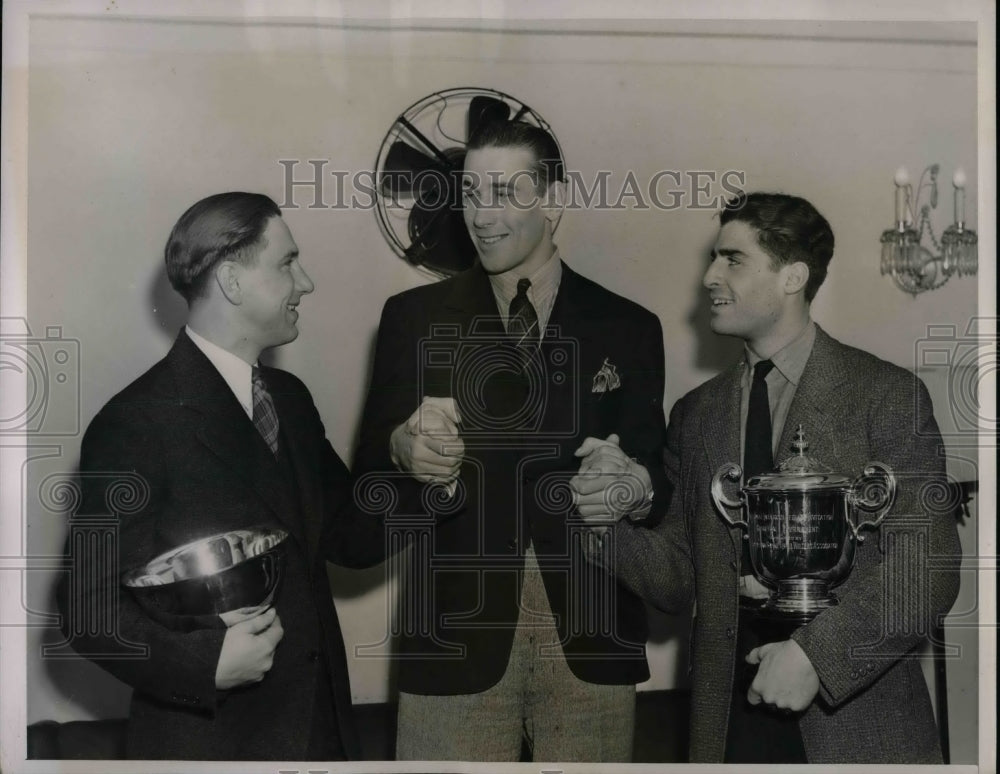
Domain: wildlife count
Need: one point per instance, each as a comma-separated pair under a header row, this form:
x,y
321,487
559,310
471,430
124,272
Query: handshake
x,y
608,485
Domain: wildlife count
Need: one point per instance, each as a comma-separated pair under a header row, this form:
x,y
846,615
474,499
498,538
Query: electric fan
x,y
418,174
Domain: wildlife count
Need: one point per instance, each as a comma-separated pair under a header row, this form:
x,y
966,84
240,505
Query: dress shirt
x,y
541,294
782,382
236,371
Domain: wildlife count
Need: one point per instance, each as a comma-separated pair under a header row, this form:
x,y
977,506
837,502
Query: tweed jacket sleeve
x,y
894,593
653,559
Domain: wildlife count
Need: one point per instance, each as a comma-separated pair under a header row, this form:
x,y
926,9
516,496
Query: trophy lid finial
x,y
800,445
800,463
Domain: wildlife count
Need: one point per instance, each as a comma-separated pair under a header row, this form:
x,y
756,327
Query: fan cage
x,y
426,117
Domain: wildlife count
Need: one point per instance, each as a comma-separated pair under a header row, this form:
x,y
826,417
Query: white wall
x,y
130,122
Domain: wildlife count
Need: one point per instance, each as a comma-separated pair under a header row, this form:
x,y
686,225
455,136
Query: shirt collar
x,y
543,282
235,370
790,360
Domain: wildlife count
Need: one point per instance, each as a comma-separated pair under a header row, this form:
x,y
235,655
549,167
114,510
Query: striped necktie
x,y
522,319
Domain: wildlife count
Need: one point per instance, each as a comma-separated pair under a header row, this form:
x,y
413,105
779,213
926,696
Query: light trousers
x,y
538,699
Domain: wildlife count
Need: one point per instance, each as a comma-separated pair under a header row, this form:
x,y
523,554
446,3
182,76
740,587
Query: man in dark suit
x,y
218,442
847,687
485,385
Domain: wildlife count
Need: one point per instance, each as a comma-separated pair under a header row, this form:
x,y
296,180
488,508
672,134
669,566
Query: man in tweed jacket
x,y
848,686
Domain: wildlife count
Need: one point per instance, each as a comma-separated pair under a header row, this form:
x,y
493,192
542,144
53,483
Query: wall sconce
x,y
914,268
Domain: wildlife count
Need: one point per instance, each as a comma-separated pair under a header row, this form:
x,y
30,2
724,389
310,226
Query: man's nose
x,y
711,278
483,213
302,282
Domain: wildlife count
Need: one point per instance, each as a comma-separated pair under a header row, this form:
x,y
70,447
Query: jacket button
x,y
729,632
732,564
313,655
512,544
854,675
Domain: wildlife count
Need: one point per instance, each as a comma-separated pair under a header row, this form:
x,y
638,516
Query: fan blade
x,y
483,111
403,164
439,240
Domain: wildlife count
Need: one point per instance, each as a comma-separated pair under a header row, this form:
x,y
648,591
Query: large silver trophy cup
x,y
803,524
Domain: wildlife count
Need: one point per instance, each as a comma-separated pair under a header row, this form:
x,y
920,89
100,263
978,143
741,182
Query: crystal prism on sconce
x,y
913,267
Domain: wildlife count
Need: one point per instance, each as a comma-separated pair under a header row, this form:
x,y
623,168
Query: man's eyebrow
x,y
292,253
725,252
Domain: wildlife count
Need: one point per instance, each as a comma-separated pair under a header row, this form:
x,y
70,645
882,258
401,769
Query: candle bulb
x,y
902,179
959,182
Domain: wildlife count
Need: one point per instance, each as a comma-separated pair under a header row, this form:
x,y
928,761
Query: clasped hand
x,y
428,444
785,679
609,484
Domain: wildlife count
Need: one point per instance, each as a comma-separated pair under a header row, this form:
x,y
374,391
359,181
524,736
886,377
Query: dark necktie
x,y
265,417
522,320
757,454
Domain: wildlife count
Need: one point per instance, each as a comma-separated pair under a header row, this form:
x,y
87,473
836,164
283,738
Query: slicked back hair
x,y
223,227
548,164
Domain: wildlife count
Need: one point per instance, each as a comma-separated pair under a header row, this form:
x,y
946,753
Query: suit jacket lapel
x,y
472,295
472,300
309,494
820,380
720,433
224,427
822,375
572,307
720,425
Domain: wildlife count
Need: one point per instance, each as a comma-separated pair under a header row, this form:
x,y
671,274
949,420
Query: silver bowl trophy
x,y
213,575
803,524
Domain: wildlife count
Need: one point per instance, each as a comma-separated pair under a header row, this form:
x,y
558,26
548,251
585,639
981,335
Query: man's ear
x,y
555,202
227,277
796,277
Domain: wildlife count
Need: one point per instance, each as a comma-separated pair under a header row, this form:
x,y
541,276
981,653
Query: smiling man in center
x,y
486,385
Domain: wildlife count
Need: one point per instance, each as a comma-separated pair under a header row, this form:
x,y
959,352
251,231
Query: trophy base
x,y
797,601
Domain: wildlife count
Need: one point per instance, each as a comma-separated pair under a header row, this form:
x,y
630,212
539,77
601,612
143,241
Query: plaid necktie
x,y
265,418
522,319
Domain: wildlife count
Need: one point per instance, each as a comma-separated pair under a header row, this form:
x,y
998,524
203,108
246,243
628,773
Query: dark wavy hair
x,y
548,165
789,229
223,227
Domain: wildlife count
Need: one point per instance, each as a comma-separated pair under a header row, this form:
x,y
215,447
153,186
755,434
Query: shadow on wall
x,y
169,309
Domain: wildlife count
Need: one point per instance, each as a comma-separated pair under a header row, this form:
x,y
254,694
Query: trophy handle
x,y
882,500
733,472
